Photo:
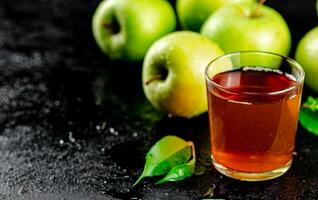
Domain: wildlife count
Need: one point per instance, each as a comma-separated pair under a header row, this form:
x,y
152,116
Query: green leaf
x,y
311,103
309,120
180,172
167,153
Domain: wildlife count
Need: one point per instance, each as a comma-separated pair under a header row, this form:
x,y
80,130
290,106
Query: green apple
x,y
248,27
125,29
317,6
173,73
192,13
307,56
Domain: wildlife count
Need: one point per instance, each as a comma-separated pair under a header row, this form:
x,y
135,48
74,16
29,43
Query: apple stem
x,y
257,10
107,25
112,27
157,77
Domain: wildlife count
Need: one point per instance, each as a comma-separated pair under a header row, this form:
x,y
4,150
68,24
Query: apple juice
x,y
253,115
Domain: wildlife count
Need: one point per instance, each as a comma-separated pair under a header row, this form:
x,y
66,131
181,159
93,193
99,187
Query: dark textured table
x,y
77,126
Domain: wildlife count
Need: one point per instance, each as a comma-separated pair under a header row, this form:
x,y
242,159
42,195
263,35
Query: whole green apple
x,y
173,73
192,13
248,27
307,56
125,29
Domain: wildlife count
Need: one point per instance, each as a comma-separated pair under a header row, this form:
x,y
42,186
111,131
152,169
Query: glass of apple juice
x,y
253,103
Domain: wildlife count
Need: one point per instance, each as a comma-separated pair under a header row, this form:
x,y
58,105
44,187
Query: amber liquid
x,y
252,128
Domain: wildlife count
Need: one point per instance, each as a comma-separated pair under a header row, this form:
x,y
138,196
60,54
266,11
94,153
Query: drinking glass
x,y
253,105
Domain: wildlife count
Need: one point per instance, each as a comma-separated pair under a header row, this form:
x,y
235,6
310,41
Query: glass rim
x,y
287,89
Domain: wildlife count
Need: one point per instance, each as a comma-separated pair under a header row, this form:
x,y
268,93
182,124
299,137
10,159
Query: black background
x,y
77,126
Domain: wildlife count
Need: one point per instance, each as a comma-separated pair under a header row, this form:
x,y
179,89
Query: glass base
x,y
250,176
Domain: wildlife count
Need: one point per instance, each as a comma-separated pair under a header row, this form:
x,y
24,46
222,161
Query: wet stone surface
x,y
77,126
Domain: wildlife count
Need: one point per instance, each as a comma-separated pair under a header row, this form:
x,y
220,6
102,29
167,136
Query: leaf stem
x,y
312,107
305,106
193,149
